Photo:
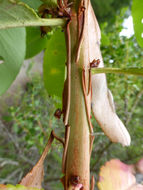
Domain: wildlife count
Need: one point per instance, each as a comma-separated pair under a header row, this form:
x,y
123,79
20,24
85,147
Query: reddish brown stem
x,y
58,138
85,99
68,40
67,134
92,183
81,24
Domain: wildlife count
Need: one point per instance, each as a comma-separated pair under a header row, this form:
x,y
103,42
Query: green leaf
x,y
12,51
127,71
137,13
54,64
18,14
34,42
50,3
32,3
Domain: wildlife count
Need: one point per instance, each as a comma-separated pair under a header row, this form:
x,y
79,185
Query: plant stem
x,y
78,153
128,71
40,22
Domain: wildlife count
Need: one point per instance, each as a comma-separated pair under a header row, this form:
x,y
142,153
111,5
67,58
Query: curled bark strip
x,y
58,138
89,84
92,183
68,41
92,137
67,135
85,99
81,26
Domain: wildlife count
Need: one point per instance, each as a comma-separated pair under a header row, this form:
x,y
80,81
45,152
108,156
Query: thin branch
x,y
138,97
128,71
10,177
100,154
5,161
15,143
40,125
58,138
92,183
39,22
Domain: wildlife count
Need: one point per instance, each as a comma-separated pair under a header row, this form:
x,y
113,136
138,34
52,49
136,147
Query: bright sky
x,y
128,27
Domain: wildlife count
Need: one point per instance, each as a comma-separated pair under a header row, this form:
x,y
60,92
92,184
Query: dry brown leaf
x,y
35,177
2,187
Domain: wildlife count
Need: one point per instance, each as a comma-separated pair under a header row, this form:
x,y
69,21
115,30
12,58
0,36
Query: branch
x,y
139,95
127,71
39,22
100,154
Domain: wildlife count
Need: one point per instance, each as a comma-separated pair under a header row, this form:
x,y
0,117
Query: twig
x,y
5,161
16,145
40,125
92,183
13,139
10,176
58,138
139,95
101,153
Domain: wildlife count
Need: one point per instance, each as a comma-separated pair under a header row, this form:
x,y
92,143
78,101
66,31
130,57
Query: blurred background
x,y
27,111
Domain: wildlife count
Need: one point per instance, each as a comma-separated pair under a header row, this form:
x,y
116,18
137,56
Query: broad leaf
x,y
12,52
32,3
137,13
18,14
34,42
54,64
127,71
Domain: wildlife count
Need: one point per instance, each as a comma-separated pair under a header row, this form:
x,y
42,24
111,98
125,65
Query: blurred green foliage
x,y
107,10
24,132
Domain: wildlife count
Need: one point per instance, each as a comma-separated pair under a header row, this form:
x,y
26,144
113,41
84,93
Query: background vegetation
x,y
24,128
